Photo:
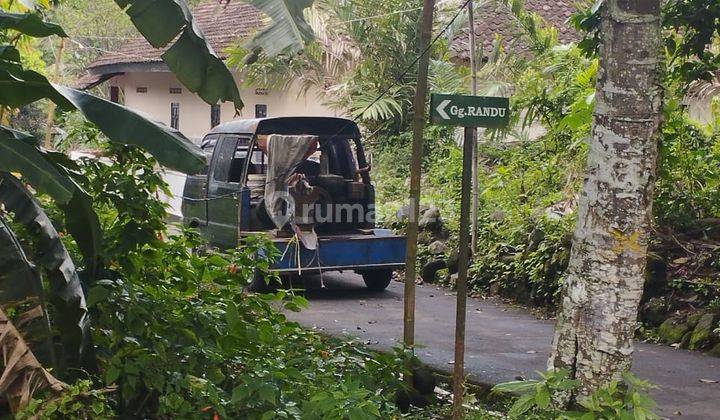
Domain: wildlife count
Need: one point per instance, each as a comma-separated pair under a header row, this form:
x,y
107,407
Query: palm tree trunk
x,y
594,333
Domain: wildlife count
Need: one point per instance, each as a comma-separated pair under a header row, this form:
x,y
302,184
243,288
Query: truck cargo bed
x,y
380,250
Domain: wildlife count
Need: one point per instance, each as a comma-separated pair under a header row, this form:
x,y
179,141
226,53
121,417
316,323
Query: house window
x,y
175,115
115,94
214,115
141,89
260,111
175,90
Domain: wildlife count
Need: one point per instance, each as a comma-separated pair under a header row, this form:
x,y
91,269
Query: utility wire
x,y
395,82
407,69
397,12
90,47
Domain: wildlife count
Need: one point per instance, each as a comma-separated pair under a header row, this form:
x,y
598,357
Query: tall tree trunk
x,y
594,333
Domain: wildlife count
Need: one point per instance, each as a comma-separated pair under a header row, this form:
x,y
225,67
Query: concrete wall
x,y
195,114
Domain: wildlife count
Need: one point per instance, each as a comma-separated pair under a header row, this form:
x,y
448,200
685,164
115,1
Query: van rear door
x,y
194,203
224,187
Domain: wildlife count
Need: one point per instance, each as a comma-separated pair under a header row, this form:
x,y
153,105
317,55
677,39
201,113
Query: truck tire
x,y
377,280
259,285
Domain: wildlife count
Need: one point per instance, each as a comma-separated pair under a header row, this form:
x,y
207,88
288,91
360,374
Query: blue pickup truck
x,y
329,179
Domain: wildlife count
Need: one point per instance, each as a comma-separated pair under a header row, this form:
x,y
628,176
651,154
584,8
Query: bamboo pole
x,y
473,90
51,110
414,210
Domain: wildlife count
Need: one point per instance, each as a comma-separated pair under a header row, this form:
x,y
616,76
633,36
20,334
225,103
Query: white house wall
x,y
700,109
195,114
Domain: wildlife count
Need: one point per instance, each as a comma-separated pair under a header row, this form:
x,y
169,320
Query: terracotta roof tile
x,y
495,18
221,21
224,22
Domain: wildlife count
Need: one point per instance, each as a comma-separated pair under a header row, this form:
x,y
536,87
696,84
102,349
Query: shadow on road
x,y
502,342
337,286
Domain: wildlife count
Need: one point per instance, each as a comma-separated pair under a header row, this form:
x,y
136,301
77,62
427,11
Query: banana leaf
x,y
190,58
52,173
19,87
204,73
9,53
30,24
83,224
123,125
21,292
23,374
288,33
81,220
18,154
65,292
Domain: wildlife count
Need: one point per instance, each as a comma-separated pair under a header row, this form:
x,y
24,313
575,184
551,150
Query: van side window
x,y
208,145
224,153
238,161
258,162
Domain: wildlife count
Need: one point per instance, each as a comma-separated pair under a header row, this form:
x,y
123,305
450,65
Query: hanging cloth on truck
x,y
285,153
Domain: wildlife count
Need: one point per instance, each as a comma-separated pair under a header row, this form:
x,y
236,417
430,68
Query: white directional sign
x,y
441,109
469,111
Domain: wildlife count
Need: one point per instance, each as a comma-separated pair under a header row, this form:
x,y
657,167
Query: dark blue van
x,y
332,180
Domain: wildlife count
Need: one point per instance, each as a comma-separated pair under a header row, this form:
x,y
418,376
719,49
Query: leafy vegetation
x,y
175,334
172,332
371,49
538,399
531,174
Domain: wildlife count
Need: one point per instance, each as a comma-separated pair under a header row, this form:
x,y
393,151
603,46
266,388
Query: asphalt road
x,y
502,342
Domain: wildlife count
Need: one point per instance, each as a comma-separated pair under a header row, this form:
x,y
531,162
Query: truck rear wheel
x,y
260,284
377,280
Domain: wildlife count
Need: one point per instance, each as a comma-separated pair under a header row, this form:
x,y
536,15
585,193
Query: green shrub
x,y
79,401
542,399
688,184
523,244
175,334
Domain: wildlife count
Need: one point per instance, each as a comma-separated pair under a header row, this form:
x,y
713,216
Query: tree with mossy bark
x,y
594,334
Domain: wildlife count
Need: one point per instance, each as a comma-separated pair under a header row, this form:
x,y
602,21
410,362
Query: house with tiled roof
x,y
495,19
136,76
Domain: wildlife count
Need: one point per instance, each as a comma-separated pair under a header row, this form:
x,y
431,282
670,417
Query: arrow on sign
x,y
441,109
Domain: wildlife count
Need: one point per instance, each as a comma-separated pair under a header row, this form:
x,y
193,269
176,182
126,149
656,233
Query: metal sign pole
x,y
469,182
461,286
469,112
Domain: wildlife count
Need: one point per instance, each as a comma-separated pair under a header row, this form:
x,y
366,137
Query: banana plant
x,y
24,297
289,32
21,294
47,276
65,290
